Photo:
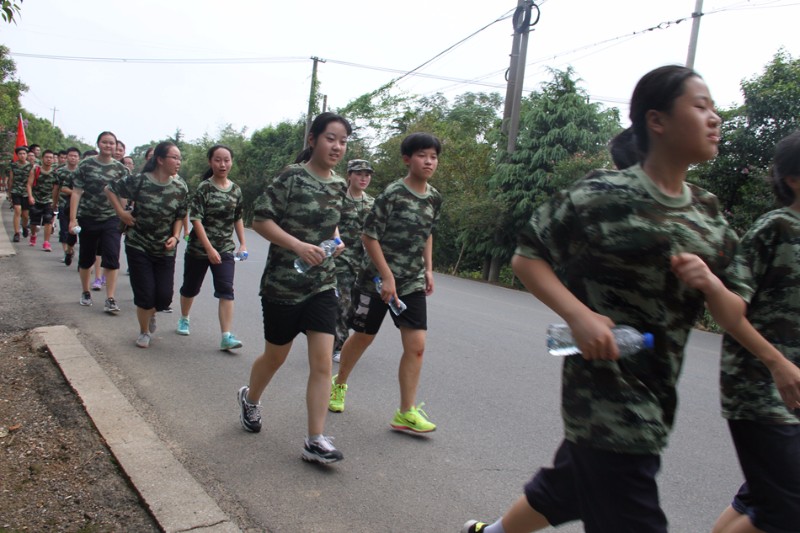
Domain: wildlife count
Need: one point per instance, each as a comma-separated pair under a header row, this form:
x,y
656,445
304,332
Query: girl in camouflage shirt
x,y
761,399
638,247
216,211
301,207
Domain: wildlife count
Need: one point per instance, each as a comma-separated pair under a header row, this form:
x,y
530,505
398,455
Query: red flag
x,y
21,140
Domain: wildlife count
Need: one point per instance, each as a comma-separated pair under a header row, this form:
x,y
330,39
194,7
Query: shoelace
x,y
337,391
324,443
418,410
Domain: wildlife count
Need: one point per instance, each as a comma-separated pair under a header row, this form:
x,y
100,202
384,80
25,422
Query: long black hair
x,y
318,128
785,165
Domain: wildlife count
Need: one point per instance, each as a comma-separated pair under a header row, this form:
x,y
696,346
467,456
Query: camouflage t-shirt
x,y
157,207
93,176
401,220
771,249
354,213
42,187
21,173
308,208
609,239
64,176
217,210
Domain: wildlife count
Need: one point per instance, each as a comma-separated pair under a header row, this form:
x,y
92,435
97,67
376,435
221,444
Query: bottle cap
x,y
376,279
337,240
648,341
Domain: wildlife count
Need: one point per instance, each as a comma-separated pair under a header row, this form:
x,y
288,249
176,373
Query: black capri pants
x,y
102,235
152,278
194,272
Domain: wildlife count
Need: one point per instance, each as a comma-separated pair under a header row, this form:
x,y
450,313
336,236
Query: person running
x,y
64,176
398,238
216,212
357,205
42,186
18,191
761,399
91,210
160,203
639,247
300,208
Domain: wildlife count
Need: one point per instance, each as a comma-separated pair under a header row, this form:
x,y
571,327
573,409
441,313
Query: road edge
x,y
176,500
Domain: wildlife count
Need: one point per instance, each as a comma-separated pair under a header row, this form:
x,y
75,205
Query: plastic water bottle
x,y
241,256
629,340
397,306
76,230
327,246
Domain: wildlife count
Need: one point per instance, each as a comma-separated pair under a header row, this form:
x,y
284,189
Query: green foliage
x,y
10,91
10,10
749,135
555,124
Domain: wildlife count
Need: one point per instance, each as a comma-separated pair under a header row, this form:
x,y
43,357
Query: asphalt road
x,y
487,382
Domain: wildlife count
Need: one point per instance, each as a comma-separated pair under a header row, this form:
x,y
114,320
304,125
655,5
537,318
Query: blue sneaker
x,y
183,326
229,342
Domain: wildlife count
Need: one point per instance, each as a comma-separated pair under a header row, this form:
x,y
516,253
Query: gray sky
x,y
364,43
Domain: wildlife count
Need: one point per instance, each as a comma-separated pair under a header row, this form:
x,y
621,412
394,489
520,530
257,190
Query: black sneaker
x,y
250,415
473,526
68,259
25,232
16,237
321,451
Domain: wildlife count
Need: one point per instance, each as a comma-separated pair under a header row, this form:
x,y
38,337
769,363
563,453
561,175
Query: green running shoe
x,y
473,526
415,420
336,403
183,326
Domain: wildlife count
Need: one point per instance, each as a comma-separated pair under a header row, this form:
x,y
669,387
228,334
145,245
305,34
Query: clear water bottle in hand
x,y
397,306
328,247
629,340
241,256
76,230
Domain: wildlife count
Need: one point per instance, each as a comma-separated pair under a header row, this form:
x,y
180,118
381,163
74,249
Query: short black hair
x,y
785,165
420,141
19,149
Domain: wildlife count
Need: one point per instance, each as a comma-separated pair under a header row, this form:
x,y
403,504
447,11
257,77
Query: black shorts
x,y
40,215
282,323
194,271
608,491
63,228
369,310
152,278
20,200
770,458
99,238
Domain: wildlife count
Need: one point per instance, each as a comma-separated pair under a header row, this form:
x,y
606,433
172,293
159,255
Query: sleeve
x,y
375,224
552,231
271,205
197,204
183,204
123,187
238,212
78,176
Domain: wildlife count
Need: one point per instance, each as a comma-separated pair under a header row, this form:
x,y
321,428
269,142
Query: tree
x,y
10,10
771,110
10,91
555,124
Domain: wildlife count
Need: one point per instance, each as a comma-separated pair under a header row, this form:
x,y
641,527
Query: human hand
x,y
594,338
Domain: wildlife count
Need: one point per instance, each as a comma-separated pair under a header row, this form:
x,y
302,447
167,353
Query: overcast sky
x,y
246,62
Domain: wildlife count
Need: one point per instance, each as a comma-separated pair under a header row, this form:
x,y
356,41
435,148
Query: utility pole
x,y
516,70
698,12
53,122
311,99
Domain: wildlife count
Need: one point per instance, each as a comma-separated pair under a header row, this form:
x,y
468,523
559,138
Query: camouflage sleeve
x,y
79,176
183,206
238,212
550,231
375,224
197,203
437,210
271,205
122,187
738,275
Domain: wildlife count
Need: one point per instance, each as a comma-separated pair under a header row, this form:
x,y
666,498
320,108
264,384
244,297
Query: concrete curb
x,y
174,497
6,247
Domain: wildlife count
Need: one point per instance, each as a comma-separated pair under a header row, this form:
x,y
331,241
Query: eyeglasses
x,y
175,157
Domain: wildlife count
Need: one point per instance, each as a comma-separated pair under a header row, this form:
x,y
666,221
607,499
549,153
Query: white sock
x,y
497,527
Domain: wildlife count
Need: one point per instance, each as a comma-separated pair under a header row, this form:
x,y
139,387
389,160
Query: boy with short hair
x,y
61,199
18,190
398,239
41,187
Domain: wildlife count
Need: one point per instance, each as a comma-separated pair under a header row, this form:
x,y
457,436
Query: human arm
x,y
200,232
238,227
728,310
29,185
375,253
74,201
591,331
175,238
427,257
270,230
125,216
56,190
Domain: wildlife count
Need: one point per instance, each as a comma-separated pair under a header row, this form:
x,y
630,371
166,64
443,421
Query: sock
x,y
497,527
186,317
312,438
225,334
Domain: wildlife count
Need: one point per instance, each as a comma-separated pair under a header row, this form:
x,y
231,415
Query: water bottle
x,y
241,256
327,246
398,306
76,230
629,340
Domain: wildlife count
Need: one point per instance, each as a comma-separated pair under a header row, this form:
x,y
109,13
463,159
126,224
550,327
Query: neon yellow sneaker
x,y
415,420
336,403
